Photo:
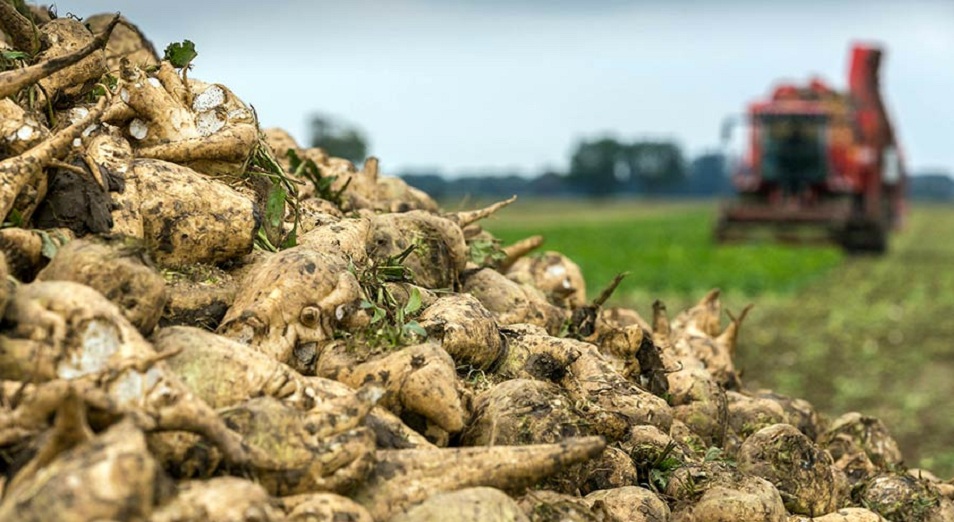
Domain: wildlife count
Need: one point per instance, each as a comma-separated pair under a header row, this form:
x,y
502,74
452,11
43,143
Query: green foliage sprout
x,y
180,54
10,59
661,469
486,252
281,192
15,219
306,168
392,324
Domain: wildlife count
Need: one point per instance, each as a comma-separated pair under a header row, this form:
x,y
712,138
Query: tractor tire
x,y
860,237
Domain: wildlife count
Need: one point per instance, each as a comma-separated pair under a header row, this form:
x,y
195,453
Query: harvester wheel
x,y
720,232
864,237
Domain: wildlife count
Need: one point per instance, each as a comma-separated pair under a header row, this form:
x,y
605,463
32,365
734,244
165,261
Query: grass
x,y
868,334
667,249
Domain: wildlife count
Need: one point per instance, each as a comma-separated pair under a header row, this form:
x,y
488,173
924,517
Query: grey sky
x,y
469,85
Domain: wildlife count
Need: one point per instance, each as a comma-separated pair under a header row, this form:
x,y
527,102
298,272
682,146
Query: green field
x,y
871,334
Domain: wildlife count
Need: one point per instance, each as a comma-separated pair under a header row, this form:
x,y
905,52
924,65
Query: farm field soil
x,y
868,334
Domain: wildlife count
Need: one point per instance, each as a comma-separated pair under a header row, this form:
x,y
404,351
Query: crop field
x,y
868,334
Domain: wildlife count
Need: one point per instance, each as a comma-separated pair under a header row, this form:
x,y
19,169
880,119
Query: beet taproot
x,y
404,477
467,331
803,473
465,505
290,301
628,504
312,507
68,331
117,462
121,271
219,499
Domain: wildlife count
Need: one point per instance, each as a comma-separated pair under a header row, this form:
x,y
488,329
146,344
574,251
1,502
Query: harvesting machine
x,y
819,164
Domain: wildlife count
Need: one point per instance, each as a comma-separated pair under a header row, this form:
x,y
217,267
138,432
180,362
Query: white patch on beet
x,y
183,122
100,341
208,123
239,114
556,271
78,113
128,388
138,129
209,99
24,133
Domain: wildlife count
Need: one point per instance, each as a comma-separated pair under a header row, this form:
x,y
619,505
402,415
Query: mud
x,y
77,202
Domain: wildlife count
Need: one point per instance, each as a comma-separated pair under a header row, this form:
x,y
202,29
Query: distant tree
x,y
338,139
606,166
549,183
431,182
931,186
596,166
708,176
655,165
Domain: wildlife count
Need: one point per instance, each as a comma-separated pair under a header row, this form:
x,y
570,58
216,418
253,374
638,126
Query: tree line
x,y
600,167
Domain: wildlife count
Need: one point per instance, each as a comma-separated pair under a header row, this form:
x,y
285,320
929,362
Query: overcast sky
x,y
470,85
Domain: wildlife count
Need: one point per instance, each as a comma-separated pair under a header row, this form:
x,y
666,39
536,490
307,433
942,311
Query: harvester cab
x,y
794,151
818,165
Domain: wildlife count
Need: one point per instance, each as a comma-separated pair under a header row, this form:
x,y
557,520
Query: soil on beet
x,y
77,202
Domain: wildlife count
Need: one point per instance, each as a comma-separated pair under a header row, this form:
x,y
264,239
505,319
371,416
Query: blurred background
x,y
607,118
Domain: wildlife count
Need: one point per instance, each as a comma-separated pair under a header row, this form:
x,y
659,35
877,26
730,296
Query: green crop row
x,y
667,249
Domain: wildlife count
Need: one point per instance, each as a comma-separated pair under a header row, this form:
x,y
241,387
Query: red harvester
x,y
820,164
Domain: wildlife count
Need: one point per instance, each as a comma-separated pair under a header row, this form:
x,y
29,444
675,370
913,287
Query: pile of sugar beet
x,y
202,320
